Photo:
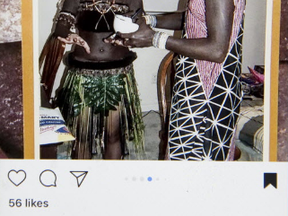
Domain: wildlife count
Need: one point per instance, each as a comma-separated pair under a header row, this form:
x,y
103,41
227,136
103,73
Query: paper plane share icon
x,y
80,176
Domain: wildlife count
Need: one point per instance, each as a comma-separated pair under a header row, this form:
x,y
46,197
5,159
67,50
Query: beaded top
x,y
103,7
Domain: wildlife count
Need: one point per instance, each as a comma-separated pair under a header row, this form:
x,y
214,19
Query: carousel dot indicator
x,y
149,178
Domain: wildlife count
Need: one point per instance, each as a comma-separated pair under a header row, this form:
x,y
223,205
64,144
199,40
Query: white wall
x,y
146,66
254,34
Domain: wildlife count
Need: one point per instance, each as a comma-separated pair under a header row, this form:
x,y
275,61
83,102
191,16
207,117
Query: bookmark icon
x,y
270,179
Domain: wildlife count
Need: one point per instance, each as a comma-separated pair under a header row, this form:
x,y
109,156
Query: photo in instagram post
x,y
11,107
249,135
282,107
252,116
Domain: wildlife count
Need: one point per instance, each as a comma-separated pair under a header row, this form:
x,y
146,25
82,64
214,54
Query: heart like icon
x,y
17,177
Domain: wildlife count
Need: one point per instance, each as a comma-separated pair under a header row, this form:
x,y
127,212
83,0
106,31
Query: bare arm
x,y
172,21
64,23
219,18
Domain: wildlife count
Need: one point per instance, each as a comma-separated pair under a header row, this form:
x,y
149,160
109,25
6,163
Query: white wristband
x,y
160,40
151,20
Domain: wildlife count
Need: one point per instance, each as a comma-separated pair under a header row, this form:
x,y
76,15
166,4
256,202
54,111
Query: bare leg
x,y
113,145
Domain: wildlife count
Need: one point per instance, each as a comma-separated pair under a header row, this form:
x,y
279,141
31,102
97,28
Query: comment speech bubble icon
x,y
48,178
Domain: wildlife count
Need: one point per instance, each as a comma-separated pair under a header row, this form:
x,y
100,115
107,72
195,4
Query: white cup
x,y
124,24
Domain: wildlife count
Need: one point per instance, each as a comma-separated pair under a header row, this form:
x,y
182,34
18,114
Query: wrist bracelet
x,y
160,39
68,17
151,20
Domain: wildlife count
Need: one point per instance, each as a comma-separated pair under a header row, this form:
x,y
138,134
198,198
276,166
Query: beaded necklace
x,y
103,7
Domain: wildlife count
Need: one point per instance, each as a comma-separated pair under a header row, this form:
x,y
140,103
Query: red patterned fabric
x,y
196,28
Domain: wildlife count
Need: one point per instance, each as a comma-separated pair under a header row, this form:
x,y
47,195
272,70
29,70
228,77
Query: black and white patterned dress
x,y
206,96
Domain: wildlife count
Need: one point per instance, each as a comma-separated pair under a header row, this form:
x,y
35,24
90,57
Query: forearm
x,y
213,47
172,21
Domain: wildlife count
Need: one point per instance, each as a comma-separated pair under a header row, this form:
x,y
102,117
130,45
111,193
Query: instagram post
x,y
145,136
11,107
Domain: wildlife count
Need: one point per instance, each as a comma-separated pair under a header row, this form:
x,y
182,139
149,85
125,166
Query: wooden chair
x,y
165,77
165,83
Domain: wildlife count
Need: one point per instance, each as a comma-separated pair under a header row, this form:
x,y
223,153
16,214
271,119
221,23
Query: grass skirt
x,y
88,99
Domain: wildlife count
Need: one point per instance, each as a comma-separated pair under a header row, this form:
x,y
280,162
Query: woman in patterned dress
x,y
206,93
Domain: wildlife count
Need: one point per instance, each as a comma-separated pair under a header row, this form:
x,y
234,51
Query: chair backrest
x,y
165,79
